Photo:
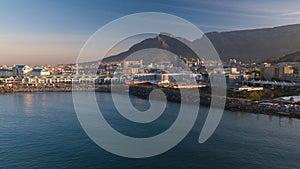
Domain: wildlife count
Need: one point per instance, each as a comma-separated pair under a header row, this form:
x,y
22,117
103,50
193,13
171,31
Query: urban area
x,y
271,88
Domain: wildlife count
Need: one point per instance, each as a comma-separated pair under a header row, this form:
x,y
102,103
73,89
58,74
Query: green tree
x,y
254,96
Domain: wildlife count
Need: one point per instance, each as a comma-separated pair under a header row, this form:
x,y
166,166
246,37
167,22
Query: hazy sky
x,y
53,31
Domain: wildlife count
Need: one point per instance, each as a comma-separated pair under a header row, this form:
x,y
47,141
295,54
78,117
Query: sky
x,y
40,32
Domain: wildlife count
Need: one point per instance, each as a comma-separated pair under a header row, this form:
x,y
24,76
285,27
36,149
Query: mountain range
x,y
258,45
293,57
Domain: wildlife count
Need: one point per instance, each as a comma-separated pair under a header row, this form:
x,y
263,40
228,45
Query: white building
x,y
180,78
249,89
20,71
232,70
7,80
132,64
39,72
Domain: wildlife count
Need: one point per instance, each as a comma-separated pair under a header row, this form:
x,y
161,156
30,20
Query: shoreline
x,y
236,105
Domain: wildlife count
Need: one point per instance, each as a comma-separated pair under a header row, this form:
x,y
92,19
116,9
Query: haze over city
x,y
51,32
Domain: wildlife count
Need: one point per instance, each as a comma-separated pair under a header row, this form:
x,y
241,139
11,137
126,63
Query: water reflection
x,y
242,114
285,121
270,118
140,104
282,121
291,121
43,100
28,98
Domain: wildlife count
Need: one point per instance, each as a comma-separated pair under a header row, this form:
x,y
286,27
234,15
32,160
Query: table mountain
x,y
255,45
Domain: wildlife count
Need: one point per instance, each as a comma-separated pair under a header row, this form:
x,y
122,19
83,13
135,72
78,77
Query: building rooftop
x,y
37,70
19,66
5,70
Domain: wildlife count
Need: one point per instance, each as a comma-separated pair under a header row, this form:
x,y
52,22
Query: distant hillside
x,y
161,42
293,57
256,45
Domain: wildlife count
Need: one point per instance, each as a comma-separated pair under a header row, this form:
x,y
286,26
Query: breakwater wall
x,y
173,95
232,104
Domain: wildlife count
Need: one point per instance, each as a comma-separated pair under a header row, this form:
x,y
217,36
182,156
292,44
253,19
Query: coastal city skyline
x,y
42,32
150,84
271,87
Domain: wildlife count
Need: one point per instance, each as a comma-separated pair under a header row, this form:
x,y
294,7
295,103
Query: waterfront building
x,y
129,71
7,80
179,78
272,84
249,89
150,77
132,64
234,80
20,71
292,77
69,79
6,73
129,67
276,72
39,72
231,70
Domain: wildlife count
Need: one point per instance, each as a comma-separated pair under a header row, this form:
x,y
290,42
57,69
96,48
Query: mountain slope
x,y
161,42
293,57
255,45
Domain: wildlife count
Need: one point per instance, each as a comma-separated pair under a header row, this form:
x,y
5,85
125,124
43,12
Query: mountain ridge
x,y
254,45
293,57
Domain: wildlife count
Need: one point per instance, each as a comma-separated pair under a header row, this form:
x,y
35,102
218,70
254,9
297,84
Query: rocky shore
x,y
232,104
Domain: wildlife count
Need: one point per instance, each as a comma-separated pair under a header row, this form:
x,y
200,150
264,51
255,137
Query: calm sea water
x,y
40,130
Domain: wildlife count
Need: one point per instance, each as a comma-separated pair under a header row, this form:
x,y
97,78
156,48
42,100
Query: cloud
x,y
263,9
220,27
291,13
237,15
254,8
217,12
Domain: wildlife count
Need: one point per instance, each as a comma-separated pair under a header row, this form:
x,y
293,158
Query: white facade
x,y
67,79
248,88
20,71
39,72
7,80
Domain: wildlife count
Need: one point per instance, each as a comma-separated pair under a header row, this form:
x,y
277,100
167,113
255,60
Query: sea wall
x,y
232,104
173,95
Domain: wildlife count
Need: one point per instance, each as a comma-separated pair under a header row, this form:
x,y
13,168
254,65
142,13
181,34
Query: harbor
x,y
286,106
